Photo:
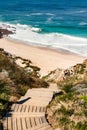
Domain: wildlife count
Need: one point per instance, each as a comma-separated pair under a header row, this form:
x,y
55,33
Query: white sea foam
x,y
77,12
38,14
49,20
50,14
30,35
83,23
36,29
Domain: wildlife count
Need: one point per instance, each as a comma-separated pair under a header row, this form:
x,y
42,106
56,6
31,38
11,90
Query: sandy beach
x,y
46,59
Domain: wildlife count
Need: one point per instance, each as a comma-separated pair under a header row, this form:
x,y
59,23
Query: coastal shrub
x,y
81,126
79,68
66,112
4,106
3,91
35,68
84,98
2,85
69,110
85,113
15,80
1,106
67,88
64,121
4,96
22,89
66,97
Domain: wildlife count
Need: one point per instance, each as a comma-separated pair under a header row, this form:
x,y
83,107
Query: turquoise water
x,y
62,23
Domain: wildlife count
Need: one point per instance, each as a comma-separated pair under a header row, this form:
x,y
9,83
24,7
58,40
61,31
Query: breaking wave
x,y
33,35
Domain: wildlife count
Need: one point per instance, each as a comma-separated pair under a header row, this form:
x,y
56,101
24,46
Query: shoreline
x,y
43,47
47,59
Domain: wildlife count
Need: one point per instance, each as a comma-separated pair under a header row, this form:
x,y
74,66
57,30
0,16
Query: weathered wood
x,y
30,115
14,124
19,124
9,123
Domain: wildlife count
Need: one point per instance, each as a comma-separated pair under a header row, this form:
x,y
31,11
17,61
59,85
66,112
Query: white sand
x,y
46,59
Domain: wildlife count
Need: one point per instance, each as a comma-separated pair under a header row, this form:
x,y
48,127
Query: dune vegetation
x,y
68,110
16,79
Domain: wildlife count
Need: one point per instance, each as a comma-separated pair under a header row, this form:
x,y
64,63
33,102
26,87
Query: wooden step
x,y
44,126
30,115
27,108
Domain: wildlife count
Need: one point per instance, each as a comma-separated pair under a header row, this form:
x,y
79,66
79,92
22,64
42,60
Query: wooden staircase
x,y
29,112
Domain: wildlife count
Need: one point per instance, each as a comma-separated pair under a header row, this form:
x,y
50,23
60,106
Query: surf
x,y
33,36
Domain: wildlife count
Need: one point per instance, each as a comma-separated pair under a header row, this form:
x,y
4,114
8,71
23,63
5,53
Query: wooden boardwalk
x,y
29,112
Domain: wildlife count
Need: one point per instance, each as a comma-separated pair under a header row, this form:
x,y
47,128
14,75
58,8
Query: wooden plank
x,y
32,108
16,107
24,108
36,109
32,121
40,109
9,123
40,127
43,109
19,124
40,120
21,108
28,122
37,121
28,108
14,123
23,123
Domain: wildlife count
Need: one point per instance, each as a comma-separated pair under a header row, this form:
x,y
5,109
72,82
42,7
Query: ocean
x,y
58,24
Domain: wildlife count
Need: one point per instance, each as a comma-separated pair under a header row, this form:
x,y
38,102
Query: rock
x,y
5,32
1,35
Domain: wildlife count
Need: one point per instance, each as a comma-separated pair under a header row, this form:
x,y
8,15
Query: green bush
x,y
66,97
85,113
64,121
66,112
67,88
84,98
81,126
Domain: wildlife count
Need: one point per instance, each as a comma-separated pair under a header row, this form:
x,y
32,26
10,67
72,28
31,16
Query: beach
x,y
54,35
45,58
